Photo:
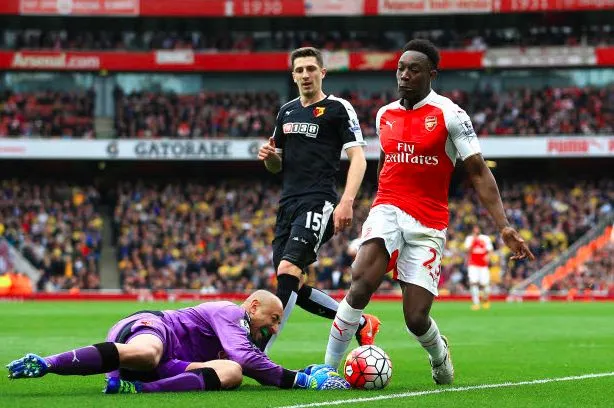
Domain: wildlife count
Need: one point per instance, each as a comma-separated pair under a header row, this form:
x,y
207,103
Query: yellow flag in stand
x,y
68,272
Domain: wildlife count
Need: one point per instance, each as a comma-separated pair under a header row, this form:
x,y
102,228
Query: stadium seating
x,y
202,236
551,34
591,269
518,112
57,228
207,114
522,111
47,114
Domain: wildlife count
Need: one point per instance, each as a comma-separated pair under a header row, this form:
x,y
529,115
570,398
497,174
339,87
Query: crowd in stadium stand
x,y
216,237
47,114
549,217
596,275
57,229
237,40
521,111
209,114
205,115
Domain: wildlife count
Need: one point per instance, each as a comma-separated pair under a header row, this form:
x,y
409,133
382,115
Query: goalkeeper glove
x,y
322,379
314,368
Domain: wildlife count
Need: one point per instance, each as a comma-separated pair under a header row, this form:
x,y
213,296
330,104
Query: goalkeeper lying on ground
x,y
208,347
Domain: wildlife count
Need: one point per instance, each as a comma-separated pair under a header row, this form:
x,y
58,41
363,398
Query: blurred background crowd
x,y
215,236
210,114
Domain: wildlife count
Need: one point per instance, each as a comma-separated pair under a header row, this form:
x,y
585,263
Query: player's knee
x,y
232,376
228,375
417,319
360,293
149,357
371,263
286,267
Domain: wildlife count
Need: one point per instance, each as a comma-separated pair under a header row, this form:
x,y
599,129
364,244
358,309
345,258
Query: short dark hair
x,y
307,52
425,47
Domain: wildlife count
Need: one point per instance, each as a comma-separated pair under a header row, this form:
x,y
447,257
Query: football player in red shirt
x,y
421,136
479,247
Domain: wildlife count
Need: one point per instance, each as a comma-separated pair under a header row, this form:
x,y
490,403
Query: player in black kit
x,y
310,133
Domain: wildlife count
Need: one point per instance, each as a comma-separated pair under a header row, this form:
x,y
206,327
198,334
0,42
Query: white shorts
x,y
415,250
478,275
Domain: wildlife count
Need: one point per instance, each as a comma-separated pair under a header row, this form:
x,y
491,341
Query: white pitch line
x,y
455,389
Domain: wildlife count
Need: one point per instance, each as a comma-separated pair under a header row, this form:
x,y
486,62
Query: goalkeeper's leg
x,y
367,273
95,359
210,376
143,353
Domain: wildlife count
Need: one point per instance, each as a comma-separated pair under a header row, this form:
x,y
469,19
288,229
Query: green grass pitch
x,y
509,343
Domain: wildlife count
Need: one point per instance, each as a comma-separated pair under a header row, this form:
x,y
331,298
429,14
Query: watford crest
x,y
318,111
430,122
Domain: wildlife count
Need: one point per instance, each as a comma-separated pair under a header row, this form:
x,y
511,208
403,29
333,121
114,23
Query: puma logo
x,y
389,123
435,275
339,328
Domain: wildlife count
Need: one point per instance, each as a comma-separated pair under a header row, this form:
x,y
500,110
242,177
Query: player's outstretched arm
x,y
486,187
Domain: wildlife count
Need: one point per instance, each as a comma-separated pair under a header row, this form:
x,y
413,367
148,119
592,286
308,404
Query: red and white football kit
x,y
410,211
478,249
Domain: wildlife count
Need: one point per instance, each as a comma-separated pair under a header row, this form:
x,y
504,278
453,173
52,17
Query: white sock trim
x,y
348,313
342,331
432,342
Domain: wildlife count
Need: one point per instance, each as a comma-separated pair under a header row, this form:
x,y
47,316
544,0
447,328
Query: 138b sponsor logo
x,y
307,129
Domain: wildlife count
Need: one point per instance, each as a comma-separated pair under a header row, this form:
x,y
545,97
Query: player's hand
x,y
342,216
314,368
267,150
322,379
514,241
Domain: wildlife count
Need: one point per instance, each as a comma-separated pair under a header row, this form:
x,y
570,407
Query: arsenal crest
x,y
430,122
318,111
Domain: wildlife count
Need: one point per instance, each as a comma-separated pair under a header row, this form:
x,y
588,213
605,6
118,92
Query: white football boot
x,y
444,372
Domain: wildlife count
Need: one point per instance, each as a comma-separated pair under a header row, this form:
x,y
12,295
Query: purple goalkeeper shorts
x,y
147,323
140,323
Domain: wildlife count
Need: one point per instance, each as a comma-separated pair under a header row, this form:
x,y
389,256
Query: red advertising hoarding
x,y
387,61
288,8
170,61
396,7
190,61
194,8
10,7
515,6
605,56
334,7
80,7
267,8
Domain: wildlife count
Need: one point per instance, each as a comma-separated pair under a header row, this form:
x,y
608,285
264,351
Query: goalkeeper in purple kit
x,y
208,347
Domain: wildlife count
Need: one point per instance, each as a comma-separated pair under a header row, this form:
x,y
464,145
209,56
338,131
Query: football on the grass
x,y
368,367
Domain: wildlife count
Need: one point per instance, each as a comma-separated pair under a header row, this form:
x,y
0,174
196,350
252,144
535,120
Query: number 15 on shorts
x,y
313,221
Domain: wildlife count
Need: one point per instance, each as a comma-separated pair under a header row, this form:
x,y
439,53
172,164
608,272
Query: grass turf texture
x,y
509,343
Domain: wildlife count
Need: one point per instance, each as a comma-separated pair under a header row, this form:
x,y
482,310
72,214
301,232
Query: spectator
x,y
57,229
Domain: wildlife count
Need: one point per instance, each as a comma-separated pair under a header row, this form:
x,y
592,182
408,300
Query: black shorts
x,y
301,228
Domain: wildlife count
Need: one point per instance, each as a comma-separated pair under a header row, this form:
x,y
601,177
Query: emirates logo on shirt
x,y
406,153
430,122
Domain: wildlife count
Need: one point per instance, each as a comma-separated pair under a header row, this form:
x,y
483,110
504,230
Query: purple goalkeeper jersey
x,y
220,330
